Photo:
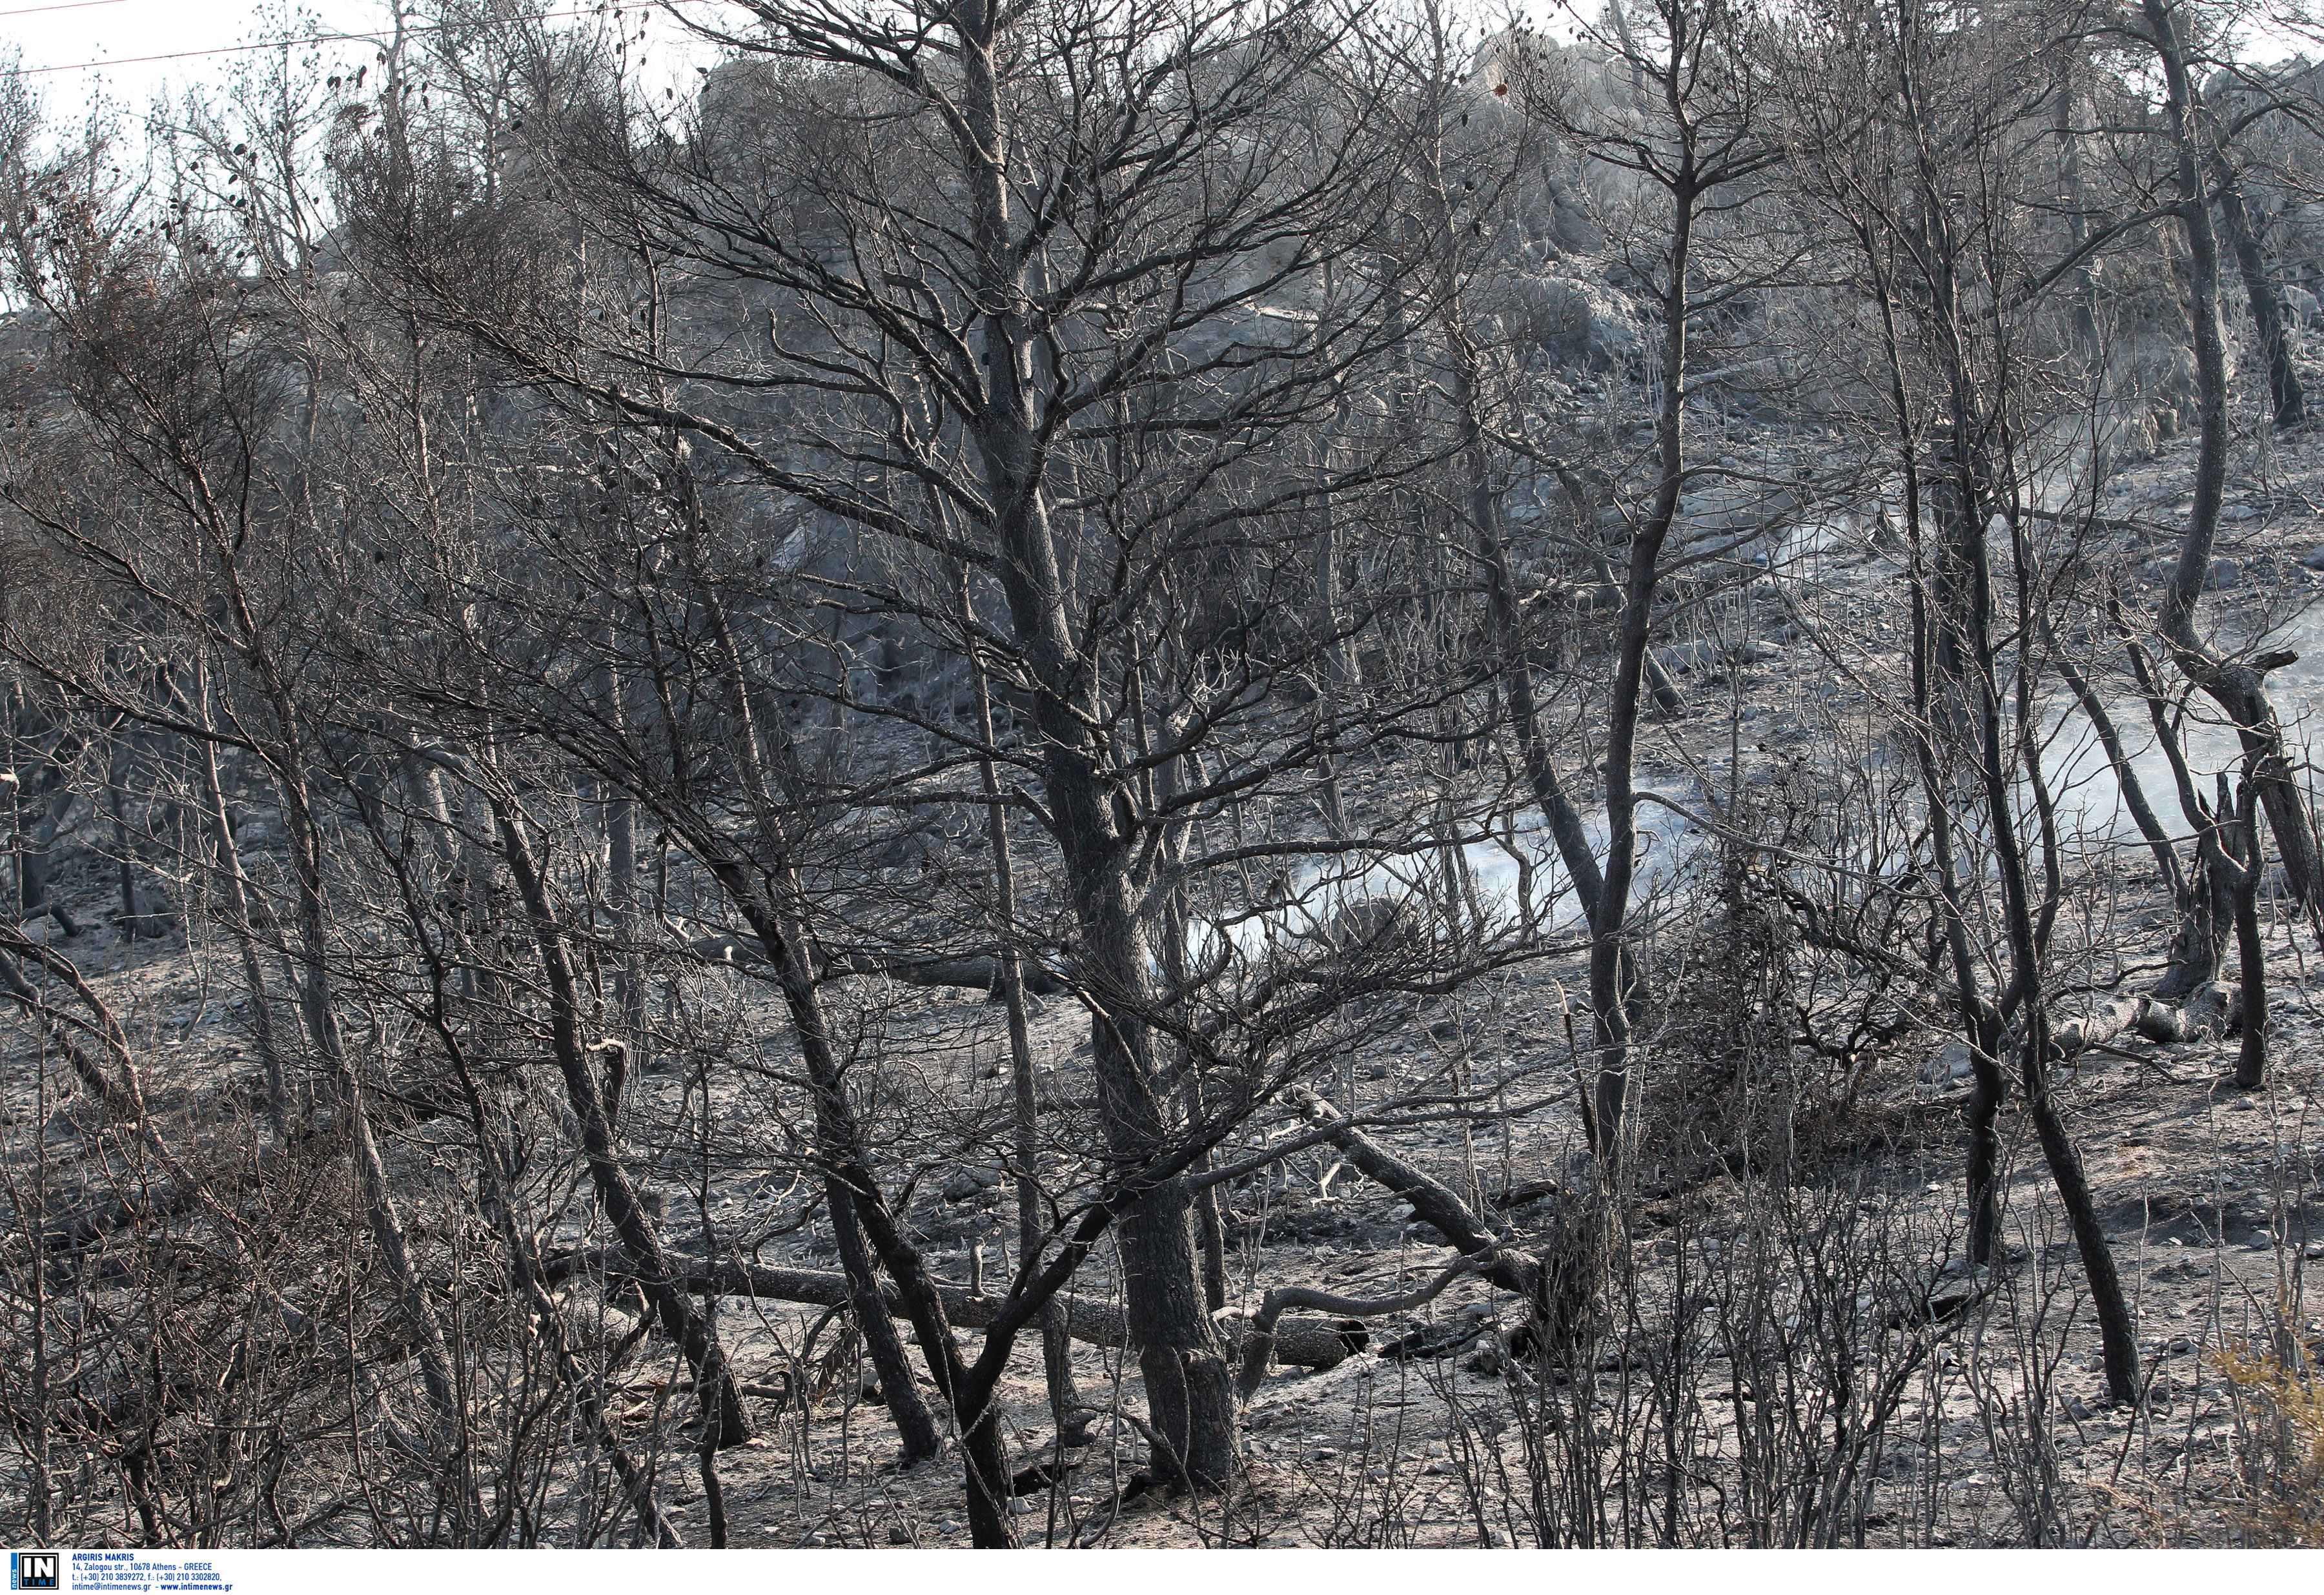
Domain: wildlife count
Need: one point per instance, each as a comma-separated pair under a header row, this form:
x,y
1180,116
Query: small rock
x,y
1954,1061
969,1184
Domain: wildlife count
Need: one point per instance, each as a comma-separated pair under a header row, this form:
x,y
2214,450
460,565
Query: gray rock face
x,y
1582,323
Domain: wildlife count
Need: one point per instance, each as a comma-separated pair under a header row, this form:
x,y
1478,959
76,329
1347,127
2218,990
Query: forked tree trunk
x,y
2238,689
1190,1397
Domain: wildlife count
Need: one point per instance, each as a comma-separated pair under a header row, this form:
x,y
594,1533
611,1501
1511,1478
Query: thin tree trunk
x,y
2251,1056
1032,1233
2204,902
374,1190
916,1426
1612,978
722,1402
227,863
845,1199
2289,399
548,1318
118,762
1966,525
976,1417
764,893
2125,775
2083,299
36,888
1343,678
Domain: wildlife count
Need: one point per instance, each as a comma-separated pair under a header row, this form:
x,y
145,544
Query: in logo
x,y
34,1570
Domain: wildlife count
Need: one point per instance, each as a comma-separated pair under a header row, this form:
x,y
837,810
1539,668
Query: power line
x,y
69,5
179,55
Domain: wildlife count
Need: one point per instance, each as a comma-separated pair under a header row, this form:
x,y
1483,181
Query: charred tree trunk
x,y
1612,978
1032,1233
722,1402
2290,400
1190,1397
235,886
375,1191
2251,948
2238,689
916,1426
35,882
2287,399
854,1202
2203,897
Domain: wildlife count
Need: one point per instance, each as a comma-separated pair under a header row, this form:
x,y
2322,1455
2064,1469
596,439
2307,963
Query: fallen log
x,y
1263,1341
2101,1025
2207,1014
980,973
2203,1017
1433,1203
1300,1342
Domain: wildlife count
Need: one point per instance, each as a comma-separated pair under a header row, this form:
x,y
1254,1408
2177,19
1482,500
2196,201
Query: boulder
x,y
1579,322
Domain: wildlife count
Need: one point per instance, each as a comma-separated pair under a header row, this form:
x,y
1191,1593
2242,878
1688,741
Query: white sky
x,y
74,49
57,38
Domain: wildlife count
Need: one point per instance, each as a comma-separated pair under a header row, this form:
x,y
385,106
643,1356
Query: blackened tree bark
x,y
1700,137
1019,316
1032,1231
714,1384
2237,686
2288,400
